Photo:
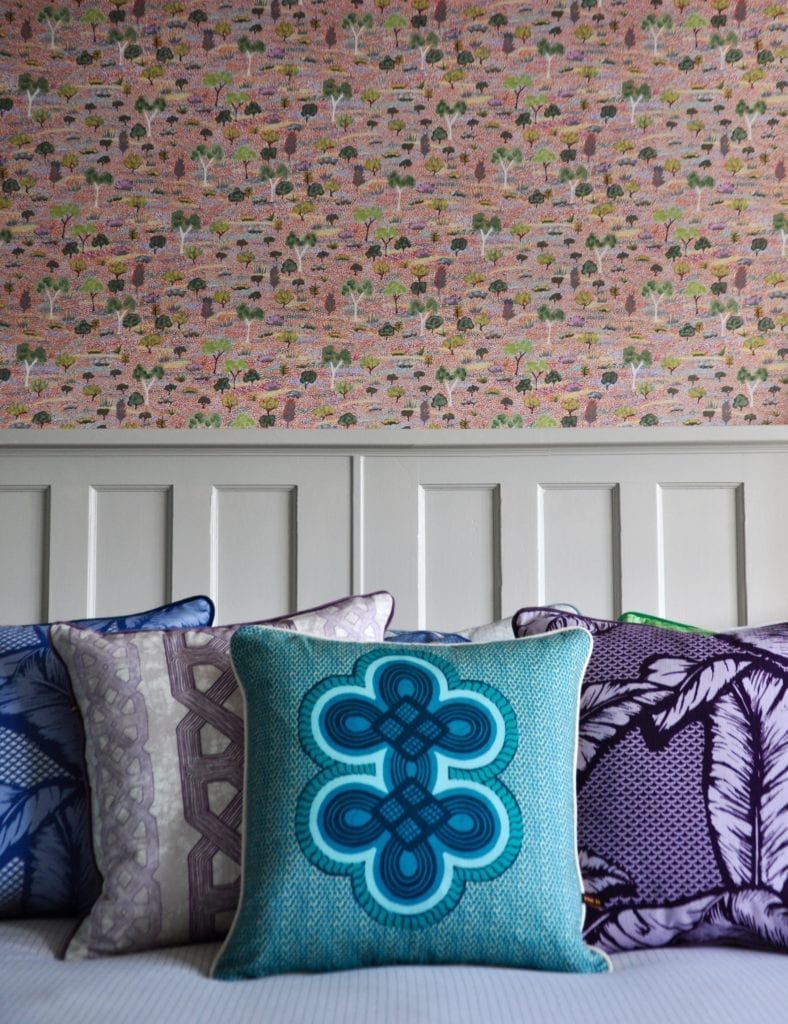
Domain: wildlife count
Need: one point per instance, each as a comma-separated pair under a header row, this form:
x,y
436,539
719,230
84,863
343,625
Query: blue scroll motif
x,y
408,803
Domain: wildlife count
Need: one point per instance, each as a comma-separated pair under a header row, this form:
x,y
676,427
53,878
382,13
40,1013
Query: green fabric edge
x,y
643,619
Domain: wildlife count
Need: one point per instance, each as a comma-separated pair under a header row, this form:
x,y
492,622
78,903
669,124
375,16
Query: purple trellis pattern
x,y
210,904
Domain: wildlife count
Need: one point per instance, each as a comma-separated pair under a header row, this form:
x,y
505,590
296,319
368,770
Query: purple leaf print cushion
x,y
682,783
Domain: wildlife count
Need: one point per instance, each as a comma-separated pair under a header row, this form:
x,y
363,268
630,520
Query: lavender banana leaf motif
x,y
691,684
744,699
733,690
747,781
606,710
603,878
608,707
760,912
748,916
533,621
772,638
634,928
745,916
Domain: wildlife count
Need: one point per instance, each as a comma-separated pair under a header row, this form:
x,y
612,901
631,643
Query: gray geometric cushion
x,y
164,748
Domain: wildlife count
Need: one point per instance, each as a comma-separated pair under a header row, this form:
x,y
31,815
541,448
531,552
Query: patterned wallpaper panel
x,y
399,213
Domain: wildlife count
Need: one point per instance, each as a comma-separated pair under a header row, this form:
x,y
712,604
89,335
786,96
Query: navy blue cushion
x,y
424,636
46,858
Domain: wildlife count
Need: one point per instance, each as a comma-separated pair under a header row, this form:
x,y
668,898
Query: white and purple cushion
x,y
682,782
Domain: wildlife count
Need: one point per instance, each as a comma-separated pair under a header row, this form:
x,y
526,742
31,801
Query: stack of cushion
x,y
530,796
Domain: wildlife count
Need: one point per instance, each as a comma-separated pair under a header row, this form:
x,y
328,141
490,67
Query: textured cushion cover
x,y
424,636
46,862
644,619
682,782
500,629
771,637
408,804
164,749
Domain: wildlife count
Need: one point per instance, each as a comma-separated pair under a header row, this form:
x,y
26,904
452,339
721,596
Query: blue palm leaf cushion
x,y
46,859
408,804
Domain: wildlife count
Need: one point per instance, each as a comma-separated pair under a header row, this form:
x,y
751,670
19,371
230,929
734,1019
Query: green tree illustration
x,y
635,92
249,315
549,50
506,159
206,156
184,224
30,356
335,92
249,48
97,178
32,88
656,292
149,110
356,25
334,359
636,361
356,291
486,226
52,288
53,18
655,25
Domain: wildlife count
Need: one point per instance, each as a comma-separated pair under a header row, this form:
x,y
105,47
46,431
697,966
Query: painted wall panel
x,y
254,550
702,553
446,537
459,554
130,548
24,554
580,561
459,534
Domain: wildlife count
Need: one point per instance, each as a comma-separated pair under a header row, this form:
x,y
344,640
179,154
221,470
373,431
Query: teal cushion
x,y
408,804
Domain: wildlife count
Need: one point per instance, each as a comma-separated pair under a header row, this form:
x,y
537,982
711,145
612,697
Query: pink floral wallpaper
x,y
392,213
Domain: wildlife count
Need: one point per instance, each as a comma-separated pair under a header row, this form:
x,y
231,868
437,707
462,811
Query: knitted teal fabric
x,y
408,804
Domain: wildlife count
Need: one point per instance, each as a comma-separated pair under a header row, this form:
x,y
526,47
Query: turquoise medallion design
x,y
408,803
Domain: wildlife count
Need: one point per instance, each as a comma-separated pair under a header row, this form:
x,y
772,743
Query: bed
x,y
703,984
684,524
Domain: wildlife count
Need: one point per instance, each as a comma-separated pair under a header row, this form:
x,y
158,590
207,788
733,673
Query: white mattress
x,y
696,985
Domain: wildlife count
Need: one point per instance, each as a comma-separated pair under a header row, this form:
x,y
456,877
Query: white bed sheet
x,y
696,985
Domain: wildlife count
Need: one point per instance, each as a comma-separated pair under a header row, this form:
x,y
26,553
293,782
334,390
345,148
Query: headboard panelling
x,y
460,530
24,550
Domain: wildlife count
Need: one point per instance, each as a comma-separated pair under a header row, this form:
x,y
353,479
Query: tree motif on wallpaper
x,y
563,213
